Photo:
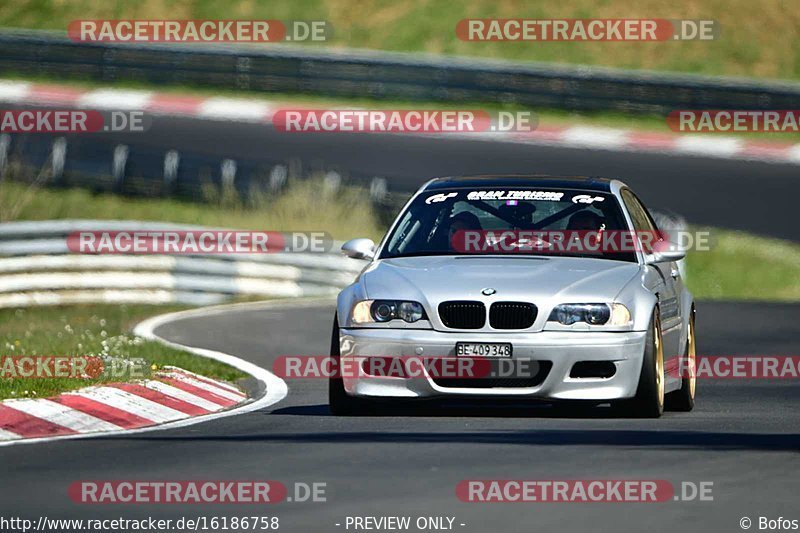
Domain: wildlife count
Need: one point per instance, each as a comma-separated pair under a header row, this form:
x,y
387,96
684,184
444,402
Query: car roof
x,y
521,180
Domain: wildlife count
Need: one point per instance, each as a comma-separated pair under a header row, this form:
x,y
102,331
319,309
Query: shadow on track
x,y
657,437
464,408
539,437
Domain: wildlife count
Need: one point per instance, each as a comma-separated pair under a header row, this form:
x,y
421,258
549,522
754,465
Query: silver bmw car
x,y
556,289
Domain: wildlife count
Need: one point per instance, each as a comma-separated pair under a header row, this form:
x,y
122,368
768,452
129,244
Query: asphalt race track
x,y
741,195
736,194
743,436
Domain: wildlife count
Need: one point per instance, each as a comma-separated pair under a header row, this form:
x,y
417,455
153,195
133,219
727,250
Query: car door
x,y
668,289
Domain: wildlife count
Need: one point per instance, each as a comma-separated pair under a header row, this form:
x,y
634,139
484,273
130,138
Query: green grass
x,y
305,206
98,330
743,266
756,37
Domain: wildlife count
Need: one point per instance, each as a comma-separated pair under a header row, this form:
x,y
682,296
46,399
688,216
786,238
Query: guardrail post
x,y
331,182
277,177
109,71
5,143
118,164
58,157
378,190
228,171
243,72
171,162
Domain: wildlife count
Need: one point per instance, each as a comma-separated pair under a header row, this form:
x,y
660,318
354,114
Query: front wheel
x,y
649,399
341,403
683,398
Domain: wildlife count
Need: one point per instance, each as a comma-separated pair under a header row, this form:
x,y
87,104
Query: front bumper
x,y
562,349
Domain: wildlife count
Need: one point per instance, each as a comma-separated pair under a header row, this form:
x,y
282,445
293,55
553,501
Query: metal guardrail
x,y
36,268
160,171
279,68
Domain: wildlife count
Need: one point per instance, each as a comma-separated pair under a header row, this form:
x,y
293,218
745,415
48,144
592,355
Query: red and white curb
x,y
173,394
219,108
112,407
262,111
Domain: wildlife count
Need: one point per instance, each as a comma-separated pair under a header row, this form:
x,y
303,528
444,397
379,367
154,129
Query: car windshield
x,y
466,221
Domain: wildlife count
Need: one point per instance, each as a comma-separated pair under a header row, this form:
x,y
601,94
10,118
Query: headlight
x,y
593,314
372,311
410,311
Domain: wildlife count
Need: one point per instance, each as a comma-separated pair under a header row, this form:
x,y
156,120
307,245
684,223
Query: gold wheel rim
x,y
659,365
692,355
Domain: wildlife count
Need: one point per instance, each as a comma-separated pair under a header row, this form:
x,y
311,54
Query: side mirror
x,y
664,256
359,248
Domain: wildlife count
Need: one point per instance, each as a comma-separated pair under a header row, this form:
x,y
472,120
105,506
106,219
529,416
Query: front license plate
x,y
483,349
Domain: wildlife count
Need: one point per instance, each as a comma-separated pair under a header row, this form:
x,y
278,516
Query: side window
x,y
641,220
646,212
639,216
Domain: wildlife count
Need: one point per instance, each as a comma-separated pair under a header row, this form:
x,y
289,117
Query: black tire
x,y
341,403
683,398
649,399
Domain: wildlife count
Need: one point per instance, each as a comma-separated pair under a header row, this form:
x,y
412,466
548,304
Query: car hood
x,y
544,281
